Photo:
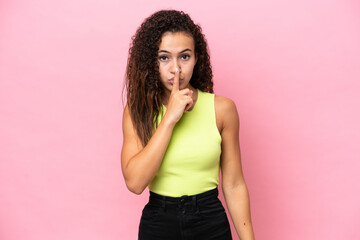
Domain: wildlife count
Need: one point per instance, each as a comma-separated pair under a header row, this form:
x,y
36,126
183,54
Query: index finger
x,y
175,86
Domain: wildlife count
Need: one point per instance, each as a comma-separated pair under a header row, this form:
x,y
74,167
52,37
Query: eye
x,y
185,57
163,58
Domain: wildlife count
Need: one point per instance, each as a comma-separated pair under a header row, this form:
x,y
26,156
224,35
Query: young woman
x,y
178,134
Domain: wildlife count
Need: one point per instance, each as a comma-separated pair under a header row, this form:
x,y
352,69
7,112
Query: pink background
x,y
293,69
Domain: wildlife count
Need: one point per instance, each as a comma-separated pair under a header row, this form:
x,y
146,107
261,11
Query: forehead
x,y
178,41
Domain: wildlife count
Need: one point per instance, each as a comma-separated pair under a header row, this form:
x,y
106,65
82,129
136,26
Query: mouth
x,y
171,80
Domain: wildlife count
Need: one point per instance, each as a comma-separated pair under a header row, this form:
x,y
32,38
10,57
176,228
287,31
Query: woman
x,y
178,134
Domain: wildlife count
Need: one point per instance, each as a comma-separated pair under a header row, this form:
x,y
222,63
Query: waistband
x,y
197,197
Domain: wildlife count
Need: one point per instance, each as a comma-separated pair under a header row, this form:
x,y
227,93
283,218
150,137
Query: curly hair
x,y
144,88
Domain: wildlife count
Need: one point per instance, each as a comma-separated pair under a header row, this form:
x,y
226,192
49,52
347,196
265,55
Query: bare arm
x,y
233,183
139,164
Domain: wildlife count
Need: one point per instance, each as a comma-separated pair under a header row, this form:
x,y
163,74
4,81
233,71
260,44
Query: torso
x,y
219,104
219,101
195,131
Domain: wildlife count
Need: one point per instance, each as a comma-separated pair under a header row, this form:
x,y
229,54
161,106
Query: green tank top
x,y
192,160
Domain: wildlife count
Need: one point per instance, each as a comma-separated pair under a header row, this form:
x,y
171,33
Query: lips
x,y
172,80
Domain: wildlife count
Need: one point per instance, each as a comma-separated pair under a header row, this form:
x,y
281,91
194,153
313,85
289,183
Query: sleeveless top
x,y
192,160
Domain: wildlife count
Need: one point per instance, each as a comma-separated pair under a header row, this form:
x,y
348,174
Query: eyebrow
x,y
187,49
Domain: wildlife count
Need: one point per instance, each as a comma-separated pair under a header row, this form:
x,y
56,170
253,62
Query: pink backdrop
x,y
293,70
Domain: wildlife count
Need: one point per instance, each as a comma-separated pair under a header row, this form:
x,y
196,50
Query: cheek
x,y
161,70
189,69
163,73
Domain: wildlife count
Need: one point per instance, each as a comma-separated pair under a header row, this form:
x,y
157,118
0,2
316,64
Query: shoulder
x,y
127,121
130,135
224,105
126,115
226,111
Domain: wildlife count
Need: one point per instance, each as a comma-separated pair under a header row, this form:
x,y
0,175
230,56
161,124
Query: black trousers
x,y
194,217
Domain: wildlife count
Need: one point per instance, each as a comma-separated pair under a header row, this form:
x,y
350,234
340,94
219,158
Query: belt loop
x,y
195,203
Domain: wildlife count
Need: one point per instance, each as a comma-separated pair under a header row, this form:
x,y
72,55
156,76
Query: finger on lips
x,y
176,80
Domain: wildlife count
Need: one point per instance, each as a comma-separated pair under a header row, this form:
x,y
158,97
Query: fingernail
x,y
176,69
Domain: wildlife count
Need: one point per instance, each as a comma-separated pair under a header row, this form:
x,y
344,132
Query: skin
x,y
140,164
177,51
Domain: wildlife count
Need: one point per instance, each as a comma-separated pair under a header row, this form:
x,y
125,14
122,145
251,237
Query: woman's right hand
x,y
179,100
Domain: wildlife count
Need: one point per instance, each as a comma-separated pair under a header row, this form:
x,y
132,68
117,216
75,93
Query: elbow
x,y
234,186
137,191
133,183
135,188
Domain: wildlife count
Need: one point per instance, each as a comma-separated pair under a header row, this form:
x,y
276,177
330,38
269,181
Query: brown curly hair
x,y
144,88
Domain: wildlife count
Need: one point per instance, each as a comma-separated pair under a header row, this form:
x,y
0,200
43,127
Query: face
x,y
176,50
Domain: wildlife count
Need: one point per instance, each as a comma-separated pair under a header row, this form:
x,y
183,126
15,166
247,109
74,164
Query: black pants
x,y
195,217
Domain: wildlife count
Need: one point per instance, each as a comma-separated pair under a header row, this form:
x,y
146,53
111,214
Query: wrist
x,y
168,122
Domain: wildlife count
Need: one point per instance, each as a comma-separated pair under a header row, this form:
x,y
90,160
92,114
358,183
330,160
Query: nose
x,y
174,66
